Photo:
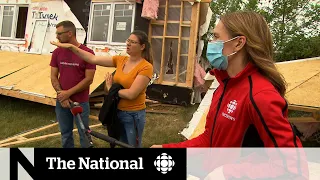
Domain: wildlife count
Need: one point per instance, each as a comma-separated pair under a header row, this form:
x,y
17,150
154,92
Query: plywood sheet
x,y
201,126
23,74
307,94
34,78
302,77
297,72
13,61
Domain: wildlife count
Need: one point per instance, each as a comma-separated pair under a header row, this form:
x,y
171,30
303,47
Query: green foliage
x,y
294,24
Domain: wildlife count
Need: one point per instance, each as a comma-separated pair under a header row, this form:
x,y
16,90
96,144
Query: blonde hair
x,y
259,44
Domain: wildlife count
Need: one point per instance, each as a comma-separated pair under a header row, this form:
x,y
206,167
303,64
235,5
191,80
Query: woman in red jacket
x,y
248,109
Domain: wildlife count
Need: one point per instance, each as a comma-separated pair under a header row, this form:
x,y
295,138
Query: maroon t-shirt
x,y
72,70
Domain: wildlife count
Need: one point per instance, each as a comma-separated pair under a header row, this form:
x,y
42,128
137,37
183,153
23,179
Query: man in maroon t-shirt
x,y
71,78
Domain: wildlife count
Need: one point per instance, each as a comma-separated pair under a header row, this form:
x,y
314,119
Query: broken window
x,y
111,22
13,19
173,38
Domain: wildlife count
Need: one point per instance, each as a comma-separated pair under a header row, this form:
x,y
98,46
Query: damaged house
x,y
173,27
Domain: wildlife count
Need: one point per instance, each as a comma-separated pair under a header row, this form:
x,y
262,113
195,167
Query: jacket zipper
x,y
218,108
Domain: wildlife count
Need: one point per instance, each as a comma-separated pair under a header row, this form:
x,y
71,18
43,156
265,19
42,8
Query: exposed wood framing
x,y
193,24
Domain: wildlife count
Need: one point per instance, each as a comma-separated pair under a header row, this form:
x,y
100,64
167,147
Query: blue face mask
x,y
215,56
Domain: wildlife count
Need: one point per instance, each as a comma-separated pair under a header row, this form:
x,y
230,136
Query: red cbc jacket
x,y
246,111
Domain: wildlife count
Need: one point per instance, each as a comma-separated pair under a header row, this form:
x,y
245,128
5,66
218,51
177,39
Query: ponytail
x,y
147,51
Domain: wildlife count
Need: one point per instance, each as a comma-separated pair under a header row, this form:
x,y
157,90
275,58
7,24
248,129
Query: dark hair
x,y
67,25
143,39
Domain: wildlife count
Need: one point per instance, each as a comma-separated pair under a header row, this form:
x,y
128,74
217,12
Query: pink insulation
x,y
150,9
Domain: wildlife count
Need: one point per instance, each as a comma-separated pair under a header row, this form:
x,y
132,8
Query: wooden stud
x,y
28,133
163,44
193,43
150,31
170,6
161,22
168,83
179,45
40,137
172,37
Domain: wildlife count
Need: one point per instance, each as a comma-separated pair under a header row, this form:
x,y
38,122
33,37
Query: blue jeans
x,y
132,125
65,120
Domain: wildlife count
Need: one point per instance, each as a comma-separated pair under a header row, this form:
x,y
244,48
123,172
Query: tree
x,y
294,24
291,20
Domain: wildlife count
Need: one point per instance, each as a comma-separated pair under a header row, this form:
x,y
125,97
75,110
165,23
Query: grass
x,y
18,116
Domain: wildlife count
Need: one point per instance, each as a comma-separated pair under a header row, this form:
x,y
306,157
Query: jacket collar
x,y
222,75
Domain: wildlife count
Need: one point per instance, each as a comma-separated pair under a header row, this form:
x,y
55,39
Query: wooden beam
x,y
17,94
302,119
193,43
168,83
28,133
162,64
40,137
303,108
172,37
179,44
162,22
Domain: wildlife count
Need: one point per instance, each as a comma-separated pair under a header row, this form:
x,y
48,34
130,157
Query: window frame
x,y
111,21
15,20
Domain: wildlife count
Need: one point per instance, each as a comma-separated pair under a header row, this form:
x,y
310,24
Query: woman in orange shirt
x,y
133,72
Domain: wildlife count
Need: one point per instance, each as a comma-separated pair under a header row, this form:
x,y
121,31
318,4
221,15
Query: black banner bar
x,y
117,163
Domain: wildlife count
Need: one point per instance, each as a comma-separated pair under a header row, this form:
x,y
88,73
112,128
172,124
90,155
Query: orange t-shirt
x,y
126,80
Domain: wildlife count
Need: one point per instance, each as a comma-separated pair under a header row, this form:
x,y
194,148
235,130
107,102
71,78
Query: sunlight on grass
x,y
18,116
